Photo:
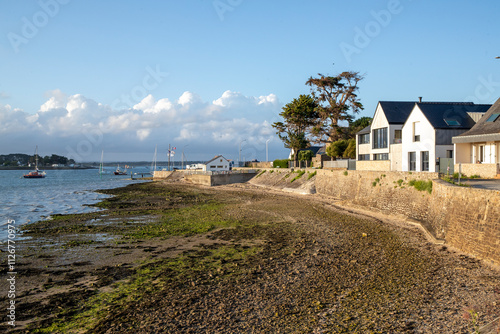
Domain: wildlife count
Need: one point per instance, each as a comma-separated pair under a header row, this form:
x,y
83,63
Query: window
x,y
449,154
416,131
425,161
397,136
492,118
452,122
381,156
219,166
380,138
364,138
481,153
364,157
412,158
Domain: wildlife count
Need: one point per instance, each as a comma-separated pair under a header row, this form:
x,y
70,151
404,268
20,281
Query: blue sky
x,y
78,77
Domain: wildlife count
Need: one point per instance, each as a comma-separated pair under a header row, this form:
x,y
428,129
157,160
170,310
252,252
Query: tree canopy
x,y
299,116
337,101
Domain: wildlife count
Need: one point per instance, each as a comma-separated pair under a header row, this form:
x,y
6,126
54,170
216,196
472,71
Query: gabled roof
x,y
215,158
487,124
396,112
451,115
365,130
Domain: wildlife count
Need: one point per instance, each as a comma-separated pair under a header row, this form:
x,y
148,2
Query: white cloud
x,y
67,123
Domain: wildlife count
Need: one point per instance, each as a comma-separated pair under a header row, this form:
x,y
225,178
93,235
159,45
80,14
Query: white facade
x,y
419,149
217,164
385,141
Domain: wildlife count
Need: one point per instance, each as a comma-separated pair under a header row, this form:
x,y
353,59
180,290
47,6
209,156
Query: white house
x,y
217,164
378,146
428,131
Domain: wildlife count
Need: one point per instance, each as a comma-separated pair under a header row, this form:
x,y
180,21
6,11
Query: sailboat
x,y
153,163
118,171
101,165
36,174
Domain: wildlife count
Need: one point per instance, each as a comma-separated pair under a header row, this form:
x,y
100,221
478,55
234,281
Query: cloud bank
x,y
79,127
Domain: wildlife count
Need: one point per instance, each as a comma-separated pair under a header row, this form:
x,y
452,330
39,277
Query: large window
x,y
364,138
397,136
363,157
412,158
380,138
381,156
425,161
416,131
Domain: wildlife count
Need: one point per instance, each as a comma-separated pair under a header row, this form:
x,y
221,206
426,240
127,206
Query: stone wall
x,y
218,179
373,165
161,174
466,218
483,170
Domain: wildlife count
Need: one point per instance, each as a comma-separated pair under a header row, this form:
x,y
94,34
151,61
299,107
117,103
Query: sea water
x,y
60,192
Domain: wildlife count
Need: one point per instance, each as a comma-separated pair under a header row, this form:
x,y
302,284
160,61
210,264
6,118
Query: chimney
x,y
420,99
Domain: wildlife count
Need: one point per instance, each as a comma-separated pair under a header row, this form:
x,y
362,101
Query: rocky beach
x,y
172,257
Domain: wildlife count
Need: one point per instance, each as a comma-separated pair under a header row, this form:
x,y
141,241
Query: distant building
x,y
217,164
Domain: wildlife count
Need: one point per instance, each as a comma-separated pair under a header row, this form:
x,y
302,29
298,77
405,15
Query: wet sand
x,y
170,257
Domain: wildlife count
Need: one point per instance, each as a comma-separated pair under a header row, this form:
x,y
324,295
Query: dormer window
x,y
452,122
492,118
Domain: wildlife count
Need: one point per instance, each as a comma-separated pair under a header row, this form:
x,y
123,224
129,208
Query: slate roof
x,y
396,112
451,115
365,130
483,127
214,158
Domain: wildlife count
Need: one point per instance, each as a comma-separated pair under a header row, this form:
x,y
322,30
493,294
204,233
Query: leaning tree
x,y
337,101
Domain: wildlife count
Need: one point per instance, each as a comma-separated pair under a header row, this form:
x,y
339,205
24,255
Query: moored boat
x,y
36,174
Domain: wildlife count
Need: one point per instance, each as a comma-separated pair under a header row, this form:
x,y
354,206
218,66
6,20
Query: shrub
x,y
475,176
299,175
374,184
261,173
421,185
281,163
400,182
345,173
311,175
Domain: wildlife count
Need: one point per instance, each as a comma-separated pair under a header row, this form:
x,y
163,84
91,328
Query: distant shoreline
x,y
44,168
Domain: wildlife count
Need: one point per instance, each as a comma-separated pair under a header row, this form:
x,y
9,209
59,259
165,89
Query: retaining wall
x,y
466,218
220,179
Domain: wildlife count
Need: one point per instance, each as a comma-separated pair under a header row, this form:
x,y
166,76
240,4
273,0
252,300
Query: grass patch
x,y
311,175
421,185
261,173
400,182
220,262
184,222
299,175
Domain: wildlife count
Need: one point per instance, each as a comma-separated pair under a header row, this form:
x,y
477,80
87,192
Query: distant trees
x,y
25,159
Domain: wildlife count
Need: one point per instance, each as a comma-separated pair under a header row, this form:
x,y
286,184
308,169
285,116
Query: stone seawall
x,y
466,218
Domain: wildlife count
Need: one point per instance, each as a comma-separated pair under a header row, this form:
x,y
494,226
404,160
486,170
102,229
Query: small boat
x,y
118,171
36,174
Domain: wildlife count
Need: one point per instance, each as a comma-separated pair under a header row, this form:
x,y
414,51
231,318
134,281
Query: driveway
x,y
492,184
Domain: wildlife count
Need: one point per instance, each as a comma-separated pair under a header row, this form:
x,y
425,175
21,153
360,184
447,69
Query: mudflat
x,y
171,257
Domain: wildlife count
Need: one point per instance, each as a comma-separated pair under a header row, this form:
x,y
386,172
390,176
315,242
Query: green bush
x,y
299,175
421,185
281,163
311,175
345,173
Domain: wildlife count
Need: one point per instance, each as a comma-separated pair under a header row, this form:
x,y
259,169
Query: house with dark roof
x,y
477,151
428,131
378,146
411,136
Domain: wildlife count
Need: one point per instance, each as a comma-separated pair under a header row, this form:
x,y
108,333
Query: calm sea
x,y
61,191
